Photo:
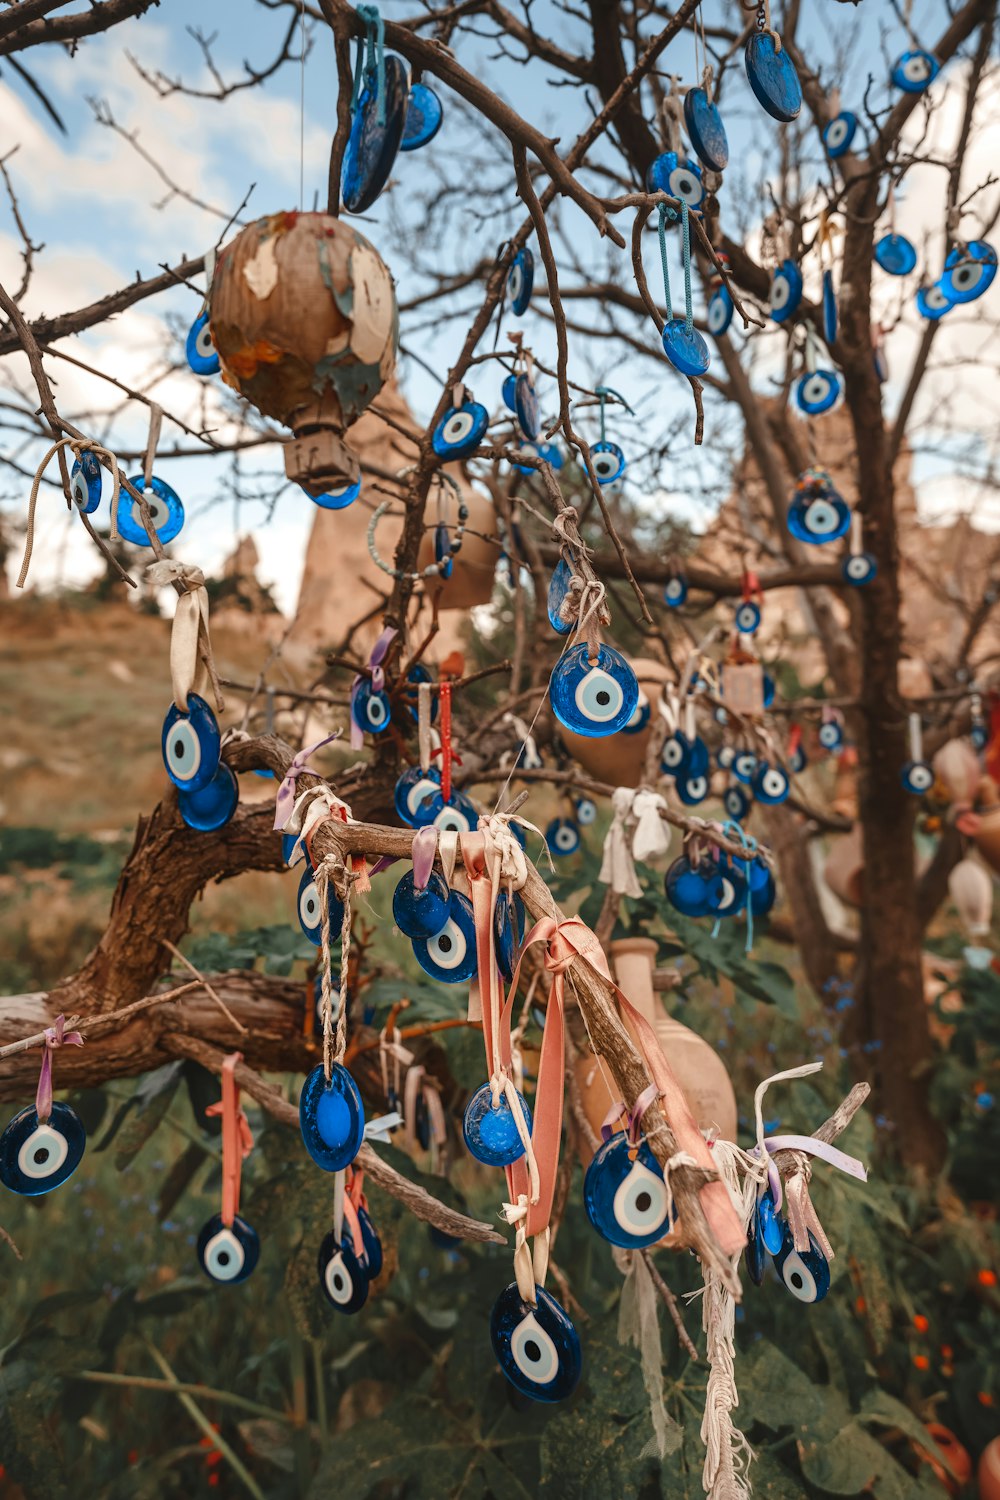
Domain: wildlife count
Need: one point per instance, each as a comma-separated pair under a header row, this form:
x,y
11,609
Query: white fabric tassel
x,y
617,868
639,1324
652,837
727,1452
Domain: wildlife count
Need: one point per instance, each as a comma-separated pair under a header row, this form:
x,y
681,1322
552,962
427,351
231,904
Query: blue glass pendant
x,y
190,744
763,891
507,390
770,1223
806,1274
562,837
736,803
371,1242
609,462
724,757
817,391
676,591
526,406
881,364
678,176
858,569
640,717
459,815
343,1279
728,891
770,784
687,887
895,254
559,584
705,127
537,1348
288,843
829,308
786,291
917,777
450,955
420,913
914,71
413,795
370,708
818,514
490,1130
773,77
969,271
442,550
331,1118
593,699
720,312
754,1255
228,1253
309,909
586,812
675,755
36,1157
423,118
831,736
338,496
625,1195
372,146
685,348
85,483
520,280
508,928
211,806
747,617
798,759
933,302
550,452
692,789
461,430
200,348
417,674
744,766
839,134
165,508
768,689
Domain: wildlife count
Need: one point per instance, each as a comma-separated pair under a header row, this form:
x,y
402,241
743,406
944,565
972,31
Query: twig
x,y
671,1301
92,1023
166,943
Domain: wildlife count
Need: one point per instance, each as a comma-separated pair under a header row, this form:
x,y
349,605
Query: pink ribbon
x,y
55,1036
632,1116
284,802
424,849
377,676
237,1138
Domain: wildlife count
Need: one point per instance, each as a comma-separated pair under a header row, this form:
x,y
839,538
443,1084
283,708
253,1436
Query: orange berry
x,y
920,1323
985,1399
921,1361
860,1305
946,1351
986,1277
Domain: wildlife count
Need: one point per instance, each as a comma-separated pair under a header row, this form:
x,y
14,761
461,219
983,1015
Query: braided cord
x,y
664,213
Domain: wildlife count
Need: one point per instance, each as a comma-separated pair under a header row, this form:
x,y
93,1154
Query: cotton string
x,y
333,1049
192,664
78,446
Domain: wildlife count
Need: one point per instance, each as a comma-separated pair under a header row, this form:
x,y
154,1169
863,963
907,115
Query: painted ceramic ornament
x,y
520,280
609,462
728,891
424,114
817,391
508,928
933,302
818,513
331,1118
228,1252
805,1273
720,312
165,509
685,348
370,708
371,1242
562,837
858,569
338,496
537,1348
413,793
310,910
895,254
593,699
688,887
640,717
705,127
747,617
191,744
829,308
678,176
343,1279
736,803
917,777
201,352
526,407
586,812
968,271
460,431
212,806
744,766
839,134
450,955
85,483
675,591
376,134
37,1156
914,71
786,291
625,1195
772,77
420,913
490,1130
831,736
692,788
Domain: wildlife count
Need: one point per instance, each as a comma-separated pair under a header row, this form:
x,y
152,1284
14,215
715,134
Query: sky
x,y
105,216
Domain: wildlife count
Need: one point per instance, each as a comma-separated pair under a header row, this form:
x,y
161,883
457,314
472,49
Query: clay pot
x,y
957,766
618,759
471,580
845,868
988,1473
913,678
971,890
303,315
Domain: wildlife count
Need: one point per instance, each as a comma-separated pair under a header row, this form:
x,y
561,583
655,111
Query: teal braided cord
x,y
663,260
375,62
359,73
686,251
736,830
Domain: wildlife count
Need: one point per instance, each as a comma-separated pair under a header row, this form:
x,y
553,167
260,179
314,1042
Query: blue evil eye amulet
x,y
537,1348
593,698
376,134
772,77
191,744
423,117
370,708
228,1252
915,71
562,836
85,483
490,1130
211,806
165,508
625,1195
705,127
37,1156
520,280
343,1276
200,347
420,913
786,291
839,134
461,430
310,908
450,955
331,1118
337,496
969,271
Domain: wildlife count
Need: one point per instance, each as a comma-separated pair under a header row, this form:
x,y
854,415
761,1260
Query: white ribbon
x,y
617,868
381,1127
651,839
190,643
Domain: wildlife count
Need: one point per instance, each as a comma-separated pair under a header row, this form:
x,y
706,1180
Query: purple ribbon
x,y
284,802
632,1116
425,842
377,676
55,1036
812,1147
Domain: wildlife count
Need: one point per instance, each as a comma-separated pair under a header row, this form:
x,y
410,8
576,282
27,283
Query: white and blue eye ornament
x,y
692,787
343,1276
818,513
420,911
490,1129
520,280
331,1117
839,134
917,775
507,391
310,909
720,311
228,1247
586,812
677,176
804,1273
85,482
748,612
786,291
44,1144
526,406
829,308
933,302
336,496
562,837
858,567
744,766
165,508
379,106
424,114
796,754
550,453
914,71
210,807
682,343
624,1193
736,803
771,72
770,784
190,743
705,127
675,590
969,271
895,254
831,733
593,698
728,890
414,791
640,717
450,955
817,391
462,428
200,349
228,1252
607,458
370,708
536,1346
688,886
